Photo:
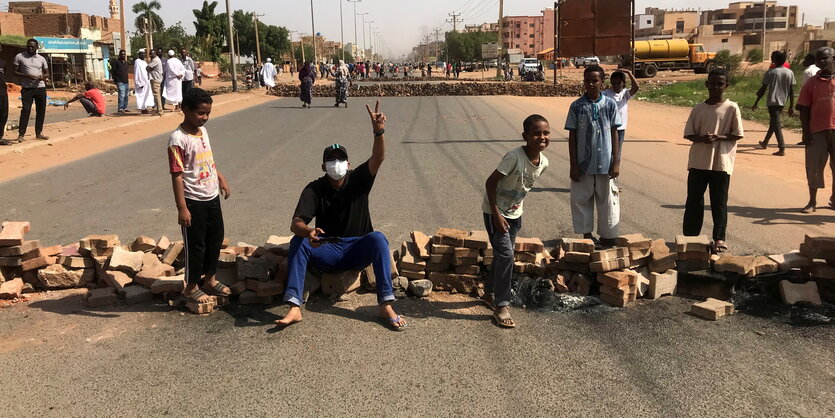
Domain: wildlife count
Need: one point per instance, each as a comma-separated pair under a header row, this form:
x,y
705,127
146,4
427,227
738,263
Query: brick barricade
x,y
440,89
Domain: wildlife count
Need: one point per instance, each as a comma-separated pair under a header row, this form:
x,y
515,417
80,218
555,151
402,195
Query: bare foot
x,y
293,315
387,313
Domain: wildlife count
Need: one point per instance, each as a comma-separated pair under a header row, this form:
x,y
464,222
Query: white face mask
x,y
336,169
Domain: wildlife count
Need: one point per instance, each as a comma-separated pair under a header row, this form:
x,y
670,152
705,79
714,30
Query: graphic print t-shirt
x,y
519,177
192,156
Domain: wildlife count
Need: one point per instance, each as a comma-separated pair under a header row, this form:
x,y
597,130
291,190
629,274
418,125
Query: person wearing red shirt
x,y
817,116
91,99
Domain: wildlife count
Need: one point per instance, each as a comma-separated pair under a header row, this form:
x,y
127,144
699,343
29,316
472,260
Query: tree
x,y
210,29
145,10
338,56
308,53
467,46
730,62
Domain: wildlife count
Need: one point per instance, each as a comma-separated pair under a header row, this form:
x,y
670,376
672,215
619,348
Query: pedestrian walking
x,y
505,191
155,75
174,74
33,73
817,117
188,76
268,74
142,91
198,74
779,82
307,78
4,103
343,80
197,185
592,126
714,127
622,96
92,100
119,73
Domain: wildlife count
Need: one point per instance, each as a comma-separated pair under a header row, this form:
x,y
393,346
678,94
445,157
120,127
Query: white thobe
x,y
142,85
173,85
268,74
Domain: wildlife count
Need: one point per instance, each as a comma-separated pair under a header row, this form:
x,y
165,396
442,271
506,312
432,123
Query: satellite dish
x,y
318,33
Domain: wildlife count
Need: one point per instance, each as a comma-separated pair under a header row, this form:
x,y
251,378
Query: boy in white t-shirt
x,y
504,193
621,96
197,187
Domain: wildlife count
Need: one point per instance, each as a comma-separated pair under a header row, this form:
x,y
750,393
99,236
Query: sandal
x,y
504,320
195,296
219,289
489,301
391,323
808,209
719,247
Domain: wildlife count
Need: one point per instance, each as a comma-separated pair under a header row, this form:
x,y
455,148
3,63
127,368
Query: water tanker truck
x,y
669,54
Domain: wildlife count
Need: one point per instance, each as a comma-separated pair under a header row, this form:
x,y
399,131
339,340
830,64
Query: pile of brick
x,y
440,89
450,260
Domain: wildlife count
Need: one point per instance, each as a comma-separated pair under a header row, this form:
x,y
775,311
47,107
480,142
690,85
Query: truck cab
x,y
700,60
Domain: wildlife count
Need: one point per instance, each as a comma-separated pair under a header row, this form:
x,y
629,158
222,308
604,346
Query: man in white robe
x,y
268,74
142,91
174,73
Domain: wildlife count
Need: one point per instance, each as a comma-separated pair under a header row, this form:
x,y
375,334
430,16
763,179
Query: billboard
x,y
594,27
489,50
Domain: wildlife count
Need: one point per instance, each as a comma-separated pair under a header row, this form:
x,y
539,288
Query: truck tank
x,y
662,49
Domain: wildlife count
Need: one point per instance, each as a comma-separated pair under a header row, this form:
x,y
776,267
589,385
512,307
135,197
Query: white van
x,y
530,64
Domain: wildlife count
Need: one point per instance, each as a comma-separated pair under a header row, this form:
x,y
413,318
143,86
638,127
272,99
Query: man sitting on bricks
x,y
343,238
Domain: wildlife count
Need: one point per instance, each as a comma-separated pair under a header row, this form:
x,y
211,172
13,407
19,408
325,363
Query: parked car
x,y
530,64
586,61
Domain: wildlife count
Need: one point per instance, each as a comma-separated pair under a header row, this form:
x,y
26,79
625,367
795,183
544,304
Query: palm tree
x,y
145,10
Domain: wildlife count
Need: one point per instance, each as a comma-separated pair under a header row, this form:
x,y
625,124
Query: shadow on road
x,y
776,216
74,305
550,189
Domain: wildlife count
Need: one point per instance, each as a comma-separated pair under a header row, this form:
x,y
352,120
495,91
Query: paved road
x,y
653,359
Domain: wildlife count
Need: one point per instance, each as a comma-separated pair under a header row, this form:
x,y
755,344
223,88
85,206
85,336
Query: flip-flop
x,y
195,296
218,289
500,318
719,248
390,323
490,304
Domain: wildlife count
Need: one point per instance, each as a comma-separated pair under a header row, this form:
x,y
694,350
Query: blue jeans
x,y
123,95
501,273
352,253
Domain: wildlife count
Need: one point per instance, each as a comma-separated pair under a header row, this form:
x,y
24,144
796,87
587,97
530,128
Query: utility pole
x,y
354,52
313,25
149,42
363,33
342,30
122,24
370,40
765,7
257,40
437,32
501,40
231,43
455,19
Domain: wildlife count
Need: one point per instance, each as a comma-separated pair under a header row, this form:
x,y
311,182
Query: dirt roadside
x,y
76,139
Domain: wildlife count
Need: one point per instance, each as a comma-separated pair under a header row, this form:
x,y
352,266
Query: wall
x,y
690,19
548,40
11,24
714,43
524,31
36,7
45,24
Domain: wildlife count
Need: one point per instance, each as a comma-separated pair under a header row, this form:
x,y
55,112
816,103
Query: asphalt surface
x,y
59,359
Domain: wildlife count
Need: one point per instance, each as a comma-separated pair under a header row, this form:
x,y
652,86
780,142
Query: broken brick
x,y
820,243
277,245
712,309
76,262
162,244
662,263
524,257
764,265
792,293
143,244
467,252
174,284
204,308
12,233
580,245
136,294
449,236
442,249
533,245
634,242
11,289
19,250
340,283
422,243
118,280
129,262
38,263
561,281
467,269
409,257
57,277
659,250
697,243
661,284
413,275
460,283
172,253
694,256
438,267
619,301
791,260
614,279
583,284
440,258
97,298
268,288
464,261
734,264
10,262
575,267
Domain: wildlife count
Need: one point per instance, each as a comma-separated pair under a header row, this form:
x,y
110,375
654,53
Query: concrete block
x,y
420,288
19,250
764,265
10,262
268,288
609,265
97,298
137,294
609,254
524,257
791,260
442,249
820,270
662,263
580,245
174,284
42,252
478,239
699,243
583,284
615,279
575,267
76,262
422,242
129,262
468,252
143,244
449,236
661,284
619,301
172,253
792,293
12,233
694,256
735,264
533,245
118,280
820,242
201,308
58,277
460,283
712,309
11,289
659,250
261,269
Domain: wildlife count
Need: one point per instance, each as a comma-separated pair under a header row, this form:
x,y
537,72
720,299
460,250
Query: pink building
x,y
524,33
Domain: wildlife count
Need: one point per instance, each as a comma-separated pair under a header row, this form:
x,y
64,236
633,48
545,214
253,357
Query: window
x,y
532,25
531,45
680,26
649,21
531,36
517,46
518,25
724,40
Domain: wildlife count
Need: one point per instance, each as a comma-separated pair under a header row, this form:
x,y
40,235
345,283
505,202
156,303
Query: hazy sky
x,y
402,23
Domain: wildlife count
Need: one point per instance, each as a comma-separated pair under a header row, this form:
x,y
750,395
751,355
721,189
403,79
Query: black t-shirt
x,y
119,70
3,91
343,212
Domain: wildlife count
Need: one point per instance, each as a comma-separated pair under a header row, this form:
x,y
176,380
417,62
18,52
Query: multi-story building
x,y
525,33
657,23
747,16
484,27
739,28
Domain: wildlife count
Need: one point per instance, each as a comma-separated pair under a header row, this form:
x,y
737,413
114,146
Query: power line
x,y
455,19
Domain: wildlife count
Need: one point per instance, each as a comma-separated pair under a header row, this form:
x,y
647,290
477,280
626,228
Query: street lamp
x,y
363,33
355,26
313,25
369,33
342,30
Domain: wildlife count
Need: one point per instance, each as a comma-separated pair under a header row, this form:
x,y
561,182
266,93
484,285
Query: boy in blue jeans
x,y
594,153
505,191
